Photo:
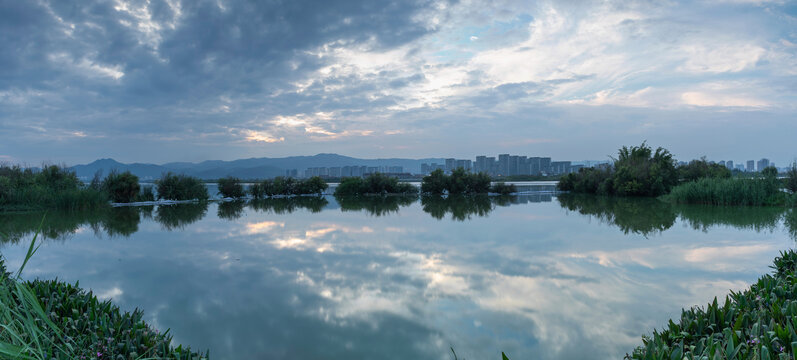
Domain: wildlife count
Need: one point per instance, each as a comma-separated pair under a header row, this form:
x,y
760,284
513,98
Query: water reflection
x,y
647,216
298,279
178,216
375,205
287,205
60,225
637,215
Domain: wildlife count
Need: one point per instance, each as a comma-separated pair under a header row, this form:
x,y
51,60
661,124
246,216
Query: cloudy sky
x,y
171,80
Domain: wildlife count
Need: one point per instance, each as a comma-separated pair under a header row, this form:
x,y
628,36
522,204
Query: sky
x,y
169,80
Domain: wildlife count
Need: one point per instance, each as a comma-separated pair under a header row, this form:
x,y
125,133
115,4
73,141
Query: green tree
x,y
230,187
435,183
791,178
121,187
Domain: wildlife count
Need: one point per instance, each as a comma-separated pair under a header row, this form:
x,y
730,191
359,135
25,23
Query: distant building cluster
x,y
748,166
506,165
346,171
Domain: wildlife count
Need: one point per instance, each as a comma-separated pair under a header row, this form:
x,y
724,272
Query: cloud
x,y
365,79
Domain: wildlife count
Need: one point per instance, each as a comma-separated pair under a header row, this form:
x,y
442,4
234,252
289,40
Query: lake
x,y
536,276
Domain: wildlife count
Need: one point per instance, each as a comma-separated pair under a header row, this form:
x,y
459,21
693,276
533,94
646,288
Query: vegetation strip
x,y
49,319
758,323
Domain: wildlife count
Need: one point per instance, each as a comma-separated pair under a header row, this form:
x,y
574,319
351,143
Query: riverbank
x,y
51,319
757,323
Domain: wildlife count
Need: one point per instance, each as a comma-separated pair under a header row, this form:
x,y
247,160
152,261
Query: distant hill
x,y
244,168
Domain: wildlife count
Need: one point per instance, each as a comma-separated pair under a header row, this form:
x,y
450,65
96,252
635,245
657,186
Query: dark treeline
x,y
461,182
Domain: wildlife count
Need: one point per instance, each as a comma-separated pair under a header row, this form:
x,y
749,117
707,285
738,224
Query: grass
x,y
723,192
54,320
54,187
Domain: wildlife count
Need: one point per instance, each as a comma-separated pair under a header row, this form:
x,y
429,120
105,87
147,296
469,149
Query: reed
x,y
714,191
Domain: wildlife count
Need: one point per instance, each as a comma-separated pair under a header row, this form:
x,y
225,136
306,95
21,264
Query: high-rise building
x,y
513,162
450,164
729,164
763,164
503,164
465,164
534,165
750,165
721,163
545,164
481,164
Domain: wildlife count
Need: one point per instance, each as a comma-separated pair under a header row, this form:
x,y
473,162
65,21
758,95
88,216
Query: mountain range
x,y
244,168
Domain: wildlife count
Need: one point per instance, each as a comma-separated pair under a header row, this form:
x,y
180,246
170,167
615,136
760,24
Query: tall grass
x,y
714,191
53,320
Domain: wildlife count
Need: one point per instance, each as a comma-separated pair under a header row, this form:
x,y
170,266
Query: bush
x,y
637,171
753,192
181,187
230,187
460,182
53,187
374,184
146,194
288,186
791,179
121,187
503,188
753,324
698,169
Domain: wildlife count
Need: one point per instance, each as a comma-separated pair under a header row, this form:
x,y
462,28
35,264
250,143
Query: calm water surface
x,y
538,277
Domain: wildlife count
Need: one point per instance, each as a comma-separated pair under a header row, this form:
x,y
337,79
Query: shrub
x,y
374,184
181,187
460,182
312,186
121,187
53,187
258,190
230,187
698,169
146,194
502,188
791,179
637,171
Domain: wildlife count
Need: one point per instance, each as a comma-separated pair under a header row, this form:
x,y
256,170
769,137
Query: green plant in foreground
x,y
54,320
758,323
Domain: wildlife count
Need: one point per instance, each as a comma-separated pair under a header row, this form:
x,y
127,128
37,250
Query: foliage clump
x,y
460,182
502,188
374,184
52,187
791,178
181,187
758,323
283,186
699,169
230,187
637,171
50,319
121,187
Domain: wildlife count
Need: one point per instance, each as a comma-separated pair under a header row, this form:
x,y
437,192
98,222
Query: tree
x,y
230,187
791,178
434,183
121,187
